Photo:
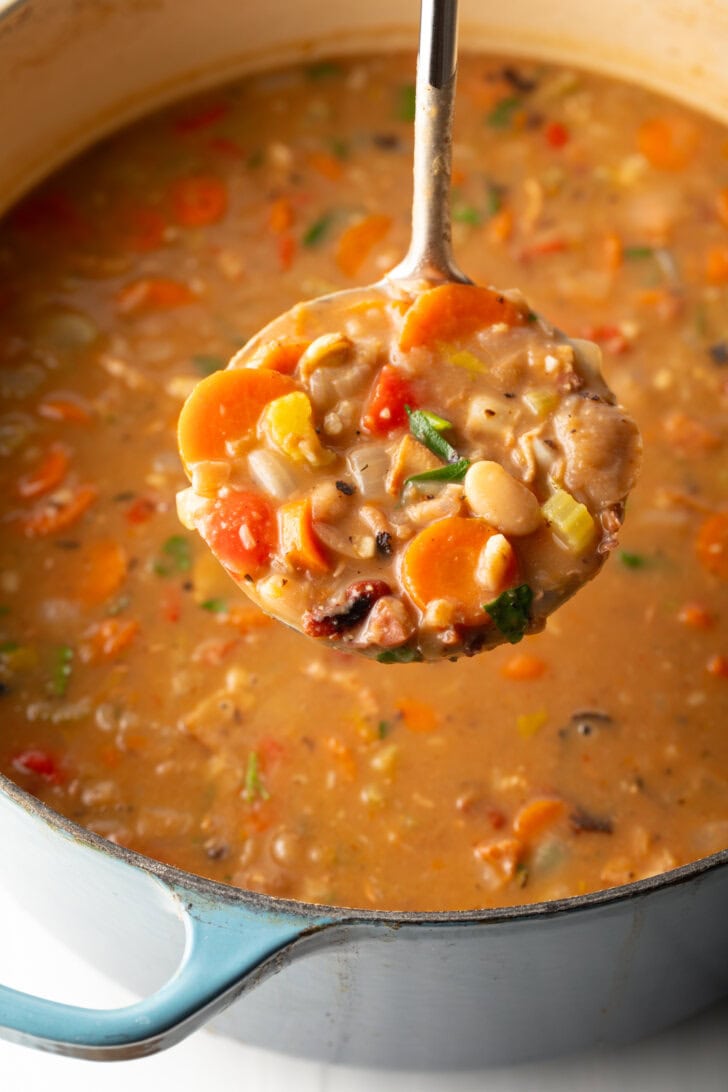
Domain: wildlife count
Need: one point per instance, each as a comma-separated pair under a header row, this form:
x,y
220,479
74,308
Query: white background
x,y
690,1058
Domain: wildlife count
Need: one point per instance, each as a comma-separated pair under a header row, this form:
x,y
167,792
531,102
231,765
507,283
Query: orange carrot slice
x,y
359,240
107,639
522,667
226,406
198,200
712,544
327,165
56,515
280,216
103,569
417,715
454,311
241,531
46,475
441,562
669,142
298,542
280,355
537,814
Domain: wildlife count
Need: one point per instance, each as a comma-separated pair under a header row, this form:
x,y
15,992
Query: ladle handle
x,y
430,253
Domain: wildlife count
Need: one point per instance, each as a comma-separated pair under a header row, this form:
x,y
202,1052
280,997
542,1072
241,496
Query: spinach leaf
x,y
511,612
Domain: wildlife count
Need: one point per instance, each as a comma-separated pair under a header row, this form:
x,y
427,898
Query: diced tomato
x,y
718,665
386,409
170,604
557,135
609,336
198,200
241,531
39,763
140,510
286,251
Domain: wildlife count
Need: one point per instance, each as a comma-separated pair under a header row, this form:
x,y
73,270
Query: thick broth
x,y
143,696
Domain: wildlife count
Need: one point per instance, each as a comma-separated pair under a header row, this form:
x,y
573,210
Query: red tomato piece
x,y
241,531
557,135
386,410
198,200
40,763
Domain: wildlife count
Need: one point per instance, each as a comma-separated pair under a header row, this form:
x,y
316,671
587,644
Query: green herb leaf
x,y
61,669
254,787
206,364
453,472
501,116
632,560
426,427
323,70
383,729
318,230
400,656
493,199
638,253
406,103
177,556
466,214
511,612
215,606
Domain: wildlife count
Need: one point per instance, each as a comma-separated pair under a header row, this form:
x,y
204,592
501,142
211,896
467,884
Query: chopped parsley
x,y
383,729
511,612
638,253
493,199
466,214
61,669
318,230
632,560
400,656
503,113
215,606
254,787
177,556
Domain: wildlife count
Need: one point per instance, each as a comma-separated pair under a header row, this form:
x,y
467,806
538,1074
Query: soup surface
x,y
146,698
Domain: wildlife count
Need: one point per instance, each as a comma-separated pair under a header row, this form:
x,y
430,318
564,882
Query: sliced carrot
x,y
299,544
280,355
669,142
502,857
56,514
198,200
418,716
241,531
386,408
613,251
287,247
47,474
712,544
140,510
451,312
226,406
441,562
718,666
721,205
152,294
522,667
64,407
716,265
280,215
695,616
107,639
541,812
356,243
326,165
500,226
104,566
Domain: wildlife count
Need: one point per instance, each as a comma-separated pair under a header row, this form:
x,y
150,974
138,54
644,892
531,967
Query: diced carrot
x,y
610,336
246,619
287,247
241,531
201,117
695,616
451,312
522,667
688,435
344,756
541,812
357,242
418,716
47,474
326,165
500,226
140,510
104,566
718,666
552,244
225,406
385,410
198,200
668,143
107,639
721,205
441,562
712,544
152,294
613,251
458,176
716,265
138,227
280,215
64,407
58,513
557,135
299,544
280,355
502,857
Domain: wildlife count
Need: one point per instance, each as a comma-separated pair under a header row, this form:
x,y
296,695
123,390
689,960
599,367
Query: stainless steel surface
x,y
430,253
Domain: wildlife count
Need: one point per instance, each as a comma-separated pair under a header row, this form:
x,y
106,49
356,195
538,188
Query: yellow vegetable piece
x,y
287,423
468,361
530,723
22,658
541,400
570,521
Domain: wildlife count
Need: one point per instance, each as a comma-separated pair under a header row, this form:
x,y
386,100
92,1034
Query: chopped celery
x,y
541,400
468,361
570,521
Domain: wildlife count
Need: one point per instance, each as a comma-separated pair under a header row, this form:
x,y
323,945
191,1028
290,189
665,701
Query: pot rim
x,y
177,879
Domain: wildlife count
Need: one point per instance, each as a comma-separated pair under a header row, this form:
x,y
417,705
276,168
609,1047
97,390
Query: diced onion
x,y
272,473
369,466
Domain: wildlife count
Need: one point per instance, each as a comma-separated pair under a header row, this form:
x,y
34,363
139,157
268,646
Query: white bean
x,y
496,496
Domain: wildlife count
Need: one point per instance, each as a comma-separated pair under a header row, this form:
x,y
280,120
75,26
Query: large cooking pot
x,y
439,990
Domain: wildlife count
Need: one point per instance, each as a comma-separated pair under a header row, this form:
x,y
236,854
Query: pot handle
x,y
228,949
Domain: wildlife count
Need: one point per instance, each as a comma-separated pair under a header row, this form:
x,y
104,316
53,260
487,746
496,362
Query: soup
x,y
146,698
